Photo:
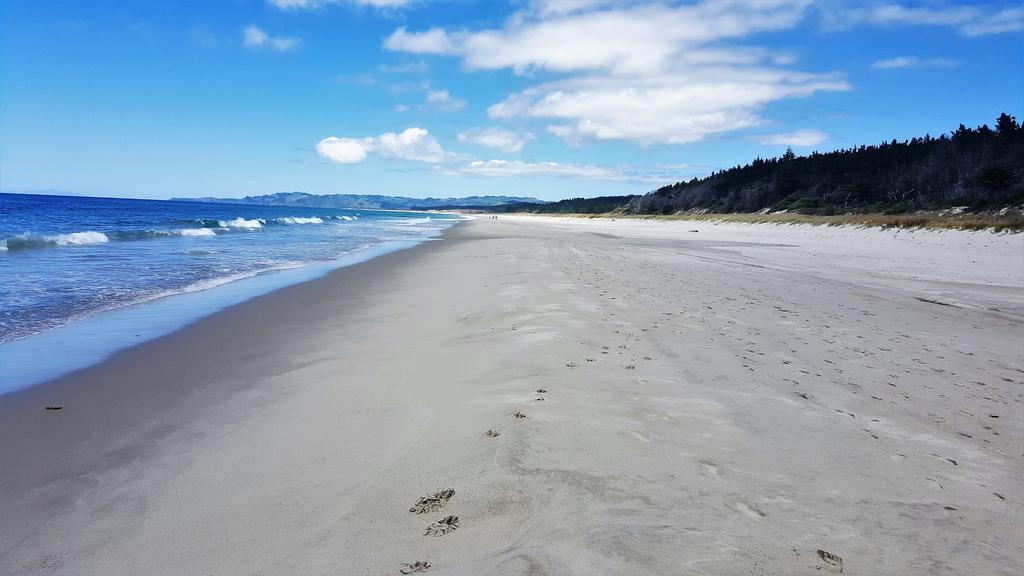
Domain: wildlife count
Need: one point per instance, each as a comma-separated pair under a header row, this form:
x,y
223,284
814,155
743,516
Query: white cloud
x,y
497,138
433,41
801,138
1008,20
520,169
442,100
674,108
417,145
285,44
344,150
256,37
634,38
412,144
643,72
548,7
970,20
914,62
508,168
668,72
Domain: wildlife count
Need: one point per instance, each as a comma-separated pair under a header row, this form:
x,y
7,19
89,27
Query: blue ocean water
x,y
74,269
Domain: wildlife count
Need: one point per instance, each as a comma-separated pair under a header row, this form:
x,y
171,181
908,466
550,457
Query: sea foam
x,y
197,232
299,220
242,223
75,238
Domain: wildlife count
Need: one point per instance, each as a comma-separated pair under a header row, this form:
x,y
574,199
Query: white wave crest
x,y
76,238
242,223
347,218
299,220
410,221
197,232
201,285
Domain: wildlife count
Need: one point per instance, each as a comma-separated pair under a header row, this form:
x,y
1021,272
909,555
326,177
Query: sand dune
x,y
604,397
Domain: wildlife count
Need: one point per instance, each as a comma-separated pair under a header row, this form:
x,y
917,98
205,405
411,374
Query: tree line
x,y
980,168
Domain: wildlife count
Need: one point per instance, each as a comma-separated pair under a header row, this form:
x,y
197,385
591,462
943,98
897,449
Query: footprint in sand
x,y
541,391
831,559
748,509
492,433
418,566
433,502
443,526
519,415
710,466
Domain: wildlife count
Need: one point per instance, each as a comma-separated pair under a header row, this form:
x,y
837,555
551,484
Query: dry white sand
x,y
727,401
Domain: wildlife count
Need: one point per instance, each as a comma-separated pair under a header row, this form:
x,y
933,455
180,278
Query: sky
x,y
543,98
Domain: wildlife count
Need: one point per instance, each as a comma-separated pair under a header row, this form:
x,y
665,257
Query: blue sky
x,y
549,98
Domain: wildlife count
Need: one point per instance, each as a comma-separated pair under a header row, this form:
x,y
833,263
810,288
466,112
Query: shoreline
x,y
93,378
711,401
91,339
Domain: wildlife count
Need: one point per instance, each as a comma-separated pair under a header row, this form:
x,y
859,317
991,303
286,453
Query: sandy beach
x,y
699,399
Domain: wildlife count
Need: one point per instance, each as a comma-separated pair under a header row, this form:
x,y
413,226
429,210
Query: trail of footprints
x,y
825,326
438,500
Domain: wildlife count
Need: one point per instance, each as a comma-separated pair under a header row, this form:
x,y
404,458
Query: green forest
x,y
978,168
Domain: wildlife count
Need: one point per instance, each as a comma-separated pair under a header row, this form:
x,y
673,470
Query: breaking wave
x,y
27,240
208,227
240,222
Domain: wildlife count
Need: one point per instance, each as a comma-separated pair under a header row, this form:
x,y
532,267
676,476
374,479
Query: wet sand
x,y
727,401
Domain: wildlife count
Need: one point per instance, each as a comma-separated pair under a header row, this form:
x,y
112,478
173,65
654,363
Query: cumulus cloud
x,y
412,144
418,145
255,37
497,138
643,72
443,100
800,138
914,62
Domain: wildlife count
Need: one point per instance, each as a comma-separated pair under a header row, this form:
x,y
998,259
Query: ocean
x,y
78,274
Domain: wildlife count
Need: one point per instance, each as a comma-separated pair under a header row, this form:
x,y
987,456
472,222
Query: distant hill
x,y
598,205
364,201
